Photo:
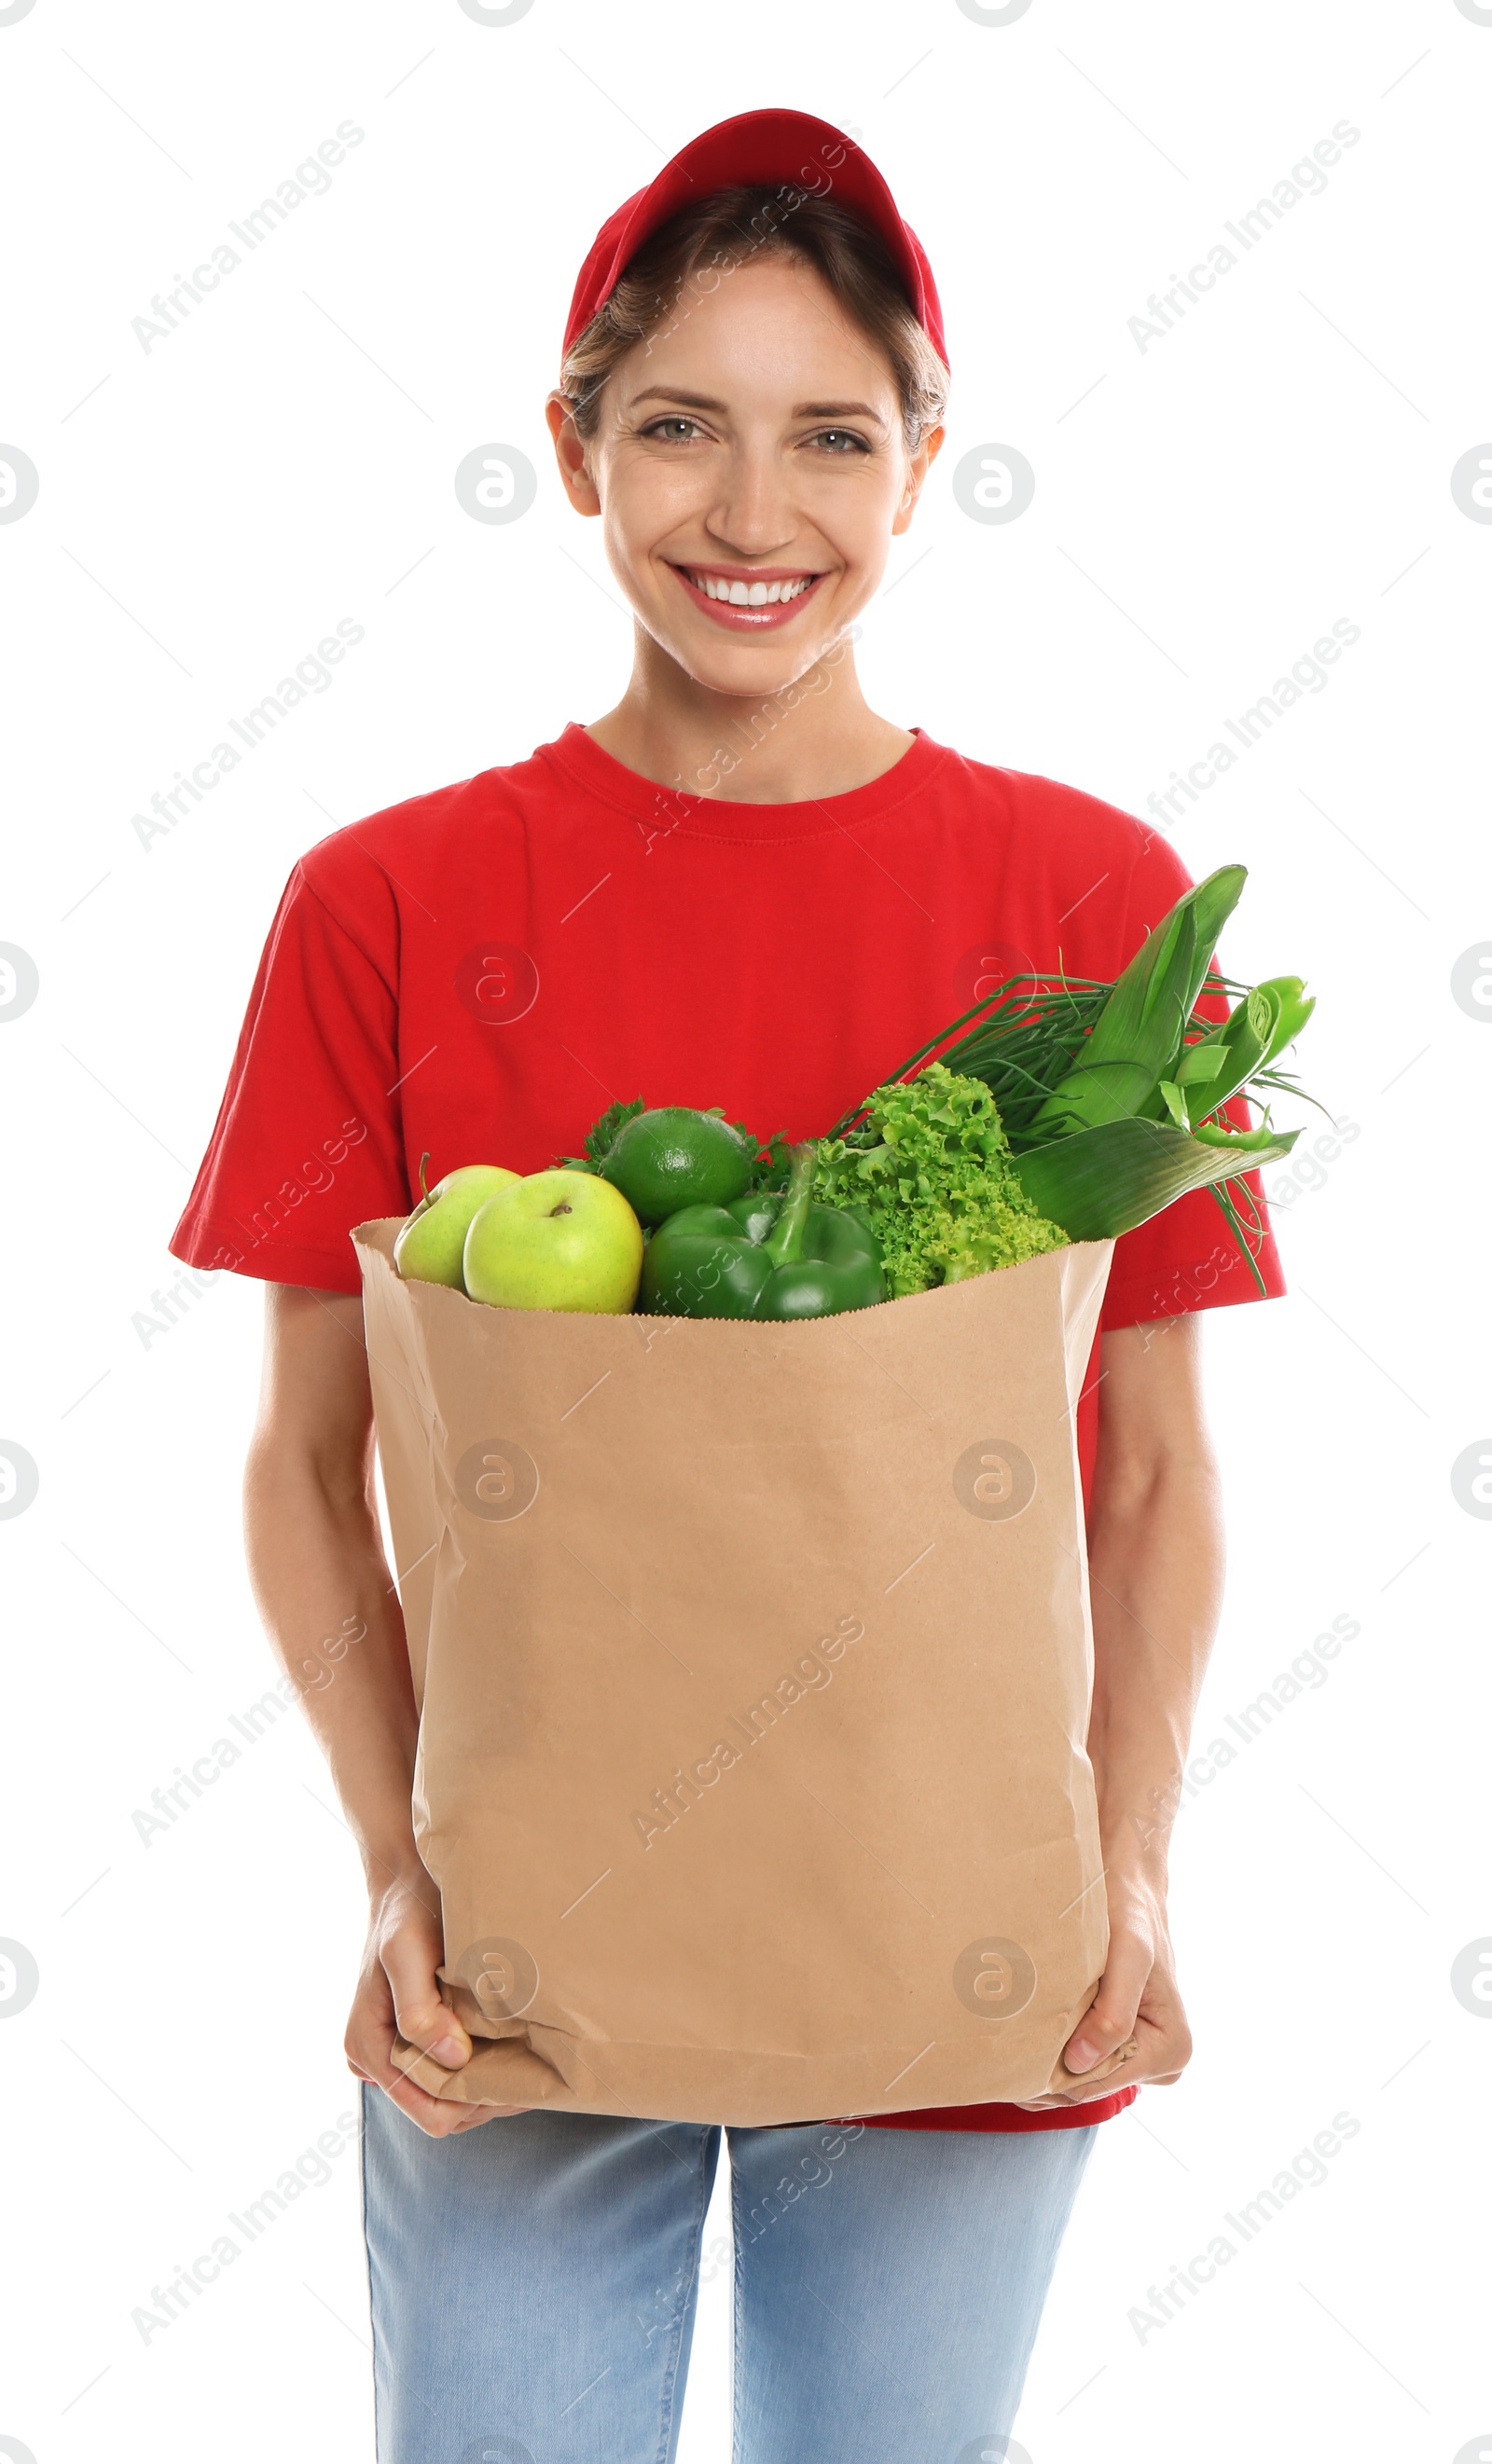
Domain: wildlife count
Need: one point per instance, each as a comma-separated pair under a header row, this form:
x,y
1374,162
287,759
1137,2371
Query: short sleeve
x,y
1186,1258
307,1138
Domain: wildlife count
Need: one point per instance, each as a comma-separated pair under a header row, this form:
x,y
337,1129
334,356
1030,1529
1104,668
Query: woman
x,y
744,887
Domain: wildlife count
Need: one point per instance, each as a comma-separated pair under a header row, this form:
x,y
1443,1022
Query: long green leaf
x,y
1104,1181
1138,1033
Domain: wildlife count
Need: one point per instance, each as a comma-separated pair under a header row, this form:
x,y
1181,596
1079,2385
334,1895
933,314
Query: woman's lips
x,y
747,619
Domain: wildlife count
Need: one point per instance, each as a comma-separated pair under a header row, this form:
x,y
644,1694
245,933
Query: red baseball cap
x,y
759,149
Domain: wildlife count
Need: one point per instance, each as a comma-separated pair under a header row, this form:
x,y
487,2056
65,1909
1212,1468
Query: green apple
x,y
557,1239
429,1248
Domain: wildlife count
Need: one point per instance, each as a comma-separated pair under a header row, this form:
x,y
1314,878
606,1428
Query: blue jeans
x,y
533,2286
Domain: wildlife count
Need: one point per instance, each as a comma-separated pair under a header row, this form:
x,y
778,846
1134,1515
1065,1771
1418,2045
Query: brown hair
x,y
699,248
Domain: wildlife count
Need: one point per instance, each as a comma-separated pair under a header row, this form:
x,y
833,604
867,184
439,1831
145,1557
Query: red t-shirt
x,y
477,973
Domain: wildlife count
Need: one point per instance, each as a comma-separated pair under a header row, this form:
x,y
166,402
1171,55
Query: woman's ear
x,y
570,453
919,464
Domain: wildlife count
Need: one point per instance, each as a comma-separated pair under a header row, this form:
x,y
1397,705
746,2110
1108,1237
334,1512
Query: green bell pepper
x,y
764,1257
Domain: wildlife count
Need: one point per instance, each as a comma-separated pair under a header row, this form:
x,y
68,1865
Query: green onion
x,y
1139,1031
1110,1095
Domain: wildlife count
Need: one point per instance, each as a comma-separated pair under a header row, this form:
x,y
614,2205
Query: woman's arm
x,y
317,1564
1155,1557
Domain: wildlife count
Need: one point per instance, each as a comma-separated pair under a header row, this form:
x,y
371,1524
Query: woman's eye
x,y
840,440
677,431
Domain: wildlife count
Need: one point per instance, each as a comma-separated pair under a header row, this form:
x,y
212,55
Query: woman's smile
x,y
747,597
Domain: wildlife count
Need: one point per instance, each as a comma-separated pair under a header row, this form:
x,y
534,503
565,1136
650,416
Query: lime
x,y
674,1158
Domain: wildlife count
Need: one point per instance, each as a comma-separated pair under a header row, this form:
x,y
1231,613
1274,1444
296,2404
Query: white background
x,y
1205,509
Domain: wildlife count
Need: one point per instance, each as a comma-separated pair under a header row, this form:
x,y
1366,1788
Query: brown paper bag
x,y
754,1665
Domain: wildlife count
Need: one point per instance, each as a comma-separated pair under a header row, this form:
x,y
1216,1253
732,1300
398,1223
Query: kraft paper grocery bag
x,y
754,1665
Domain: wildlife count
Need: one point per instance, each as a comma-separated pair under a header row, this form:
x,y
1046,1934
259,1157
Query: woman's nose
x,y
755,514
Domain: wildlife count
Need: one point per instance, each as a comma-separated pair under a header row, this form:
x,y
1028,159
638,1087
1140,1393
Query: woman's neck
x,y
816,736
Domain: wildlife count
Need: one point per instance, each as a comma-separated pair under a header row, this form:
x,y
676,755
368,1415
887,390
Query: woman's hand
x,y
1155,1572
1137,1997
316,1557
398,1993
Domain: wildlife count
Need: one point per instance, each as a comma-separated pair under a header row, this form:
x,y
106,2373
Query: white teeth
x,y
754,594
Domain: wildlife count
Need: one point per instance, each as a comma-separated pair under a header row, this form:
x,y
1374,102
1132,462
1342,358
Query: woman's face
x,y
749,471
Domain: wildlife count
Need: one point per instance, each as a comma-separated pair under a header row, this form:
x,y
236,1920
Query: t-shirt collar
x,y
665,808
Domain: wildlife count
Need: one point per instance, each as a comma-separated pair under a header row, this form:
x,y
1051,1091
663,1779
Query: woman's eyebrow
x,y
837,410
672,393
800,410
